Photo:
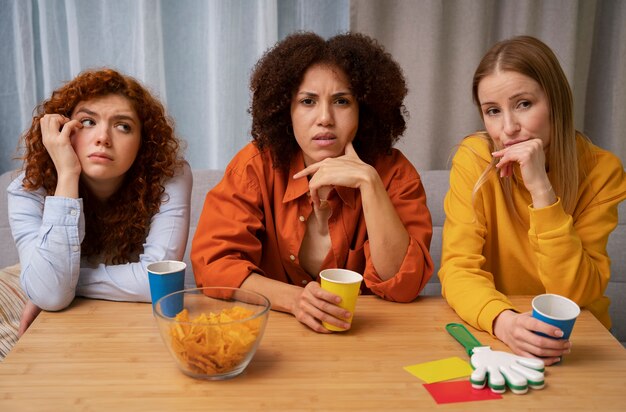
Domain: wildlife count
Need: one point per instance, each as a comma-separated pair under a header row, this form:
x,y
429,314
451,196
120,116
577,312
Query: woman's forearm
x,y
387,234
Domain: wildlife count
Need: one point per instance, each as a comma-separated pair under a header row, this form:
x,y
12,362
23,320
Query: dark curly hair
x,y
116,230
376,81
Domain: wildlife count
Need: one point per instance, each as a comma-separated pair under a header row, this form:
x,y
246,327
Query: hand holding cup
x,y
557,311
345,284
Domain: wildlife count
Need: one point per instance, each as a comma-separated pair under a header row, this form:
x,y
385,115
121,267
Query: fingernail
x,y
558,333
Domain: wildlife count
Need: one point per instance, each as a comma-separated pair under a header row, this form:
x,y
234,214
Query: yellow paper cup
x,y
345,284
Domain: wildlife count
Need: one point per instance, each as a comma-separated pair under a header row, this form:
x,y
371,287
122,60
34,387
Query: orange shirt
x,y
254,221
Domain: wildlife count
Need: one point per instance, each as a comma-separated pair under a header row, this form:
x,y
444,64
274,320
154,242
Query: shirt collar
x,y
295,187
348,195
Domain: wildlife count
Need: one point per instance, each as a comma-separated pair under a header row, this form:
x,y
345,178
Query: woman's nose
x,y
511,124
103,138
325,115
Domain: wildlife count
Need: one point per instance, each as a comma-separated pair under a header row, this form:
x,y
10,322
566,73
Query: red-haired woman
x,y
104,191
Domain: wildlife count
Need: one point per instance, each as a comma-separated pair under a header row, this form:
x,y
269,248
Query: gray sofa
x,y
436,185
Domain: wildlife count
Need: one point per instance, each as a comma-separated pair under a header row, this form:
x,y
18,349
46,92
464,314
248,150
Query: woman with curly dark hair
x,y
104,191
320,186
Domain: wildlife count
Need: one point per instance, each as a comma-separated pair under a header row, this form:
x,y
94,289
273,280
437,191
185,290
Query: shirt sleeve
x,y
409,199
227,248
48,231
166,240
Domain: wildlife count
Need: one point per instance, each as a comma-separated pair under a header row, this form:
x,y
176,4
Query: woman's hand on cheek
x,y
56,131
315,305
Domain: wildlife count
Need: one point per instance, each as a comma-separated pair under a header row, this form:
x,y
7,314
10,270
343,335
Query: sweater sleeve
x,y
571,249
467,286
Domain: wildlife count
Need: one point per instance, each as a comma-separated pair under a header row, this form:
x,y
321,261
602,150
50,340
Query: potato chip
x,y
214,343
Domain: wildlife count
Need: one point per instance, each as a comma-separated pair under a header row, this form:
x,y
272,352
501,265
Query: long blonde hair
x,y
533,58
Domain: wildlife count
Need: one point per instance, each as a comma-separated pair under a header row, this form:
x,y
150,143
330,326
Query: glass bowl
x,y
212,332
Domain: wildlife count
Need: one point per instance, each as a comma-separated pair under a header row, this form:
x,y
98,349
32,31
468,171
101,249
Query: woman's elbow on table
x,y
53,302
143,295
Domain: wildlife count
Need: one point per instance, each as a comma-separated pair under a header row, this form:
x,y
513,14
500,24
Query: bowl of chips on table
x,y
215,331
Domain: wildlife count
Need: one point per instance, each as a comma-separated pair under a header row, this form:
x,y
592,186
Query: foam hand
x,y
500,368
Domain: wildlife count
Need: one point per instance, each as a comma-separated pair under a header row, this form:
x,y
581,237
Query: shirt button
x,y
73,212
75,248
301,218
304,282
292,257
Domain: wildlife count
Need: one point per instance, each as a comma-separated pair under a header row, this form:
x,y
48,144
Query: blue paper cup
x,y
167,276
556,310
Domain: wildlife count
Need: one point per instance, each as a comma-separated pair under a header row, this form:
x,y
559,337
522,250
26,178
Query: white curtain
x,y
196,55
439,43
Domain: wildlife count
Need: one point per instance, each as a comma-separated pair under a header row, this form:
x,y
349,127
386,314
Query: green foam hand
x,y
501,368
498,369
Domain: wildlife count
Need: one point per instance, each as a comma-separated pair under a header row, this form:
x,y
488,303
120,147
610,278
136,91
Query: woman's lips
x,y
100,157
324,139
514,142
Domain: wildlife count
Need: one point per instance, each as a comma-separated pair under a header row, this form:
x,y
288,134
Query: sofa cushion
x,y
203,181
436,183
12,301
8,256
616,291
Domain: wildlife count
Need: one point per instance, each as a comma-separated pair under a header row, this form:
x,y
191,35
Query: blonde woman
x,y
531,203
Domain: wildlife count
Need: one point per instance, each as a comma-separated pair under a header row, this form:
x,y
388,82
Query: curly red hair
x,y
376,81
116,231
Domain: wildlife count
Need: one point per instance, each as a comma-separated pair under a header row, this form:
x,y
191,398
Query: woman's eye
x,y
342,101
87,122
525,104
307,102
492,111
123,127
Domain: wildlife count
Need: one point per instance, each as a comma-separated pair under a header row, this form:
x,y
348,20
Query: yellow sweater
x,y
488,253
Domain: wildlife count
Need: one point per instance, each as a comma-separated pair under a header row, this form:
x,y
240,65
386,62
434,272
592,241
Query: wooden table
x,y
100,355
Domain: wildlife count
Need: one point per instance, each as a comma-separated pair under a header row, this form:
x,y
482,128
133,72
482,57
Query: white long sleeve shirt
x,y
48,231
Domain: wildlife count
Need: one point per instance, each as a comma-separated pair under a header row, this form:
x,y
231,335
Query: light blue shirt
x,y
48,231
